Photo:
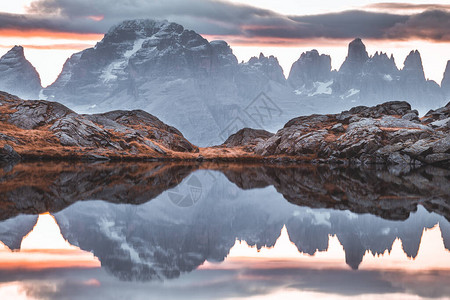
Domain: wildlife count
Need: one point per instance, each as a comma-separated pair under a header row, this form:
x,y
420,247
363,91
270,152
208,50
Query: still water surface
x,y
188,231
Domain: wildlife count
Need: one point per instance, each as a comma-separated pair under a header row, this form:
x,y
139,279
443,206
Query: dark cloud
x,y
41,22
243,22
431,25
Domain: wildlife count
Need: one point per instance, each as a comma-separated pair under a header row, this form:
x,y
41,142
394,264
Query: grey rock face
x,y
56,127
257,74
413,68
309,68
7,153
389,108
246,137
267,66
445,84
372,135
74,130
18,76
356,58
32,114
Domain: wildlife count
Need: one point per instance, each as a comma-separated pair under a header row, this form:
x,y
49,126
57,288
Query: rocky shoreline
x,y
390,133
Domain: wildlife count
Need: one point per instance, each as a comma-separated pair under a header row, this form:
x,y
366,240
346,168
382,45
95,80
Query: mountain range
x,y
199,86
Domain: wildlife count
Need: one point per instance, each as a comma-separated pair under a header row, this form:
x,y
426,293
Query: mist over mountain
x,y
199,87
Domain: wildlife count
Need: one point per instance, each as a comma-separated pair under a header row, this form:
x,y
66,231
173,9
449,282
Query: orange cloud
x,y
69,46
279,42
41,33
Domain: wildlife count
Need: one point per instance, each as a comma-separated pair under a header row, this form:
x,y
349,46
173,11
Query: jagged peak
x,y
17,48
447,68
139,24
263,59
357,50
445,83
140,28
413,62
312,54
413,57
16,51
356,57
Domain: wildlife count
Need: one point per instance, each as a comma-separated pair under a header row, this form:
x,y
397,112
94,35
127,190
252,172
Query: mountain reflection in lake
x,y
216,231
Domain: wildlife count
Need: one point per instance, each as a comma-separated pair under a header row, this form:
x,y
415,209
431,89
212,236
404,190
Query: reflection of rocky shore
x,y
390,193
39,187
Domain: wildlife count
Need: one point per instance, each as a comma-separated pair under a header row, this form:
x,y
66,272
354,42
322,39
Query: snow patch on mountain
x,y
322,88
350,93
387,77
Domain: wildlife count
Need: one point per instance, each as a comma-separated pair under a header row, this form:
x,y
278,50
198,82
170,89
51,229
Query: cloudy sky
x,y
51,30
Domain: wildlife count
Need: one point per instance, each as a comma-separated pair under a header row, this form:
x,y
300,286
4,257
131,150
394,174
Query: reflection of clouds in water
x,y
241,283
240,280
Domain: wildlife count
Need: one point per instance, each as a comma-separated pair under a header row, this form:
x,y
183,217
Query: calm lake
x,y
223,231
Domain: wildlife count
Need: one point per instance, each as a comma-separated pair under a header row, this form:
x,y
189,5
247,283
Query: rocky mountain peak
x,y
132,29
413,65
380,63
16,51
445,84
14,56
224,53
309,68
17,74
266,66
356,57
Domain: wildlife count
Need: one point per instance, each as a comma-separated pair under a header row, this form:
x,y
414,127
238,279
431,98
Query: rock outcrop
x,y
18,76
41,128
390,133
8,154
247,137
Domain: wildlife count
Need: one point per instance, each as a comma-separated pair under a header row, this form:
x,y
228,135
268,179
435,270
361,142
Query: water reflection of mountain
x,y
161,239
